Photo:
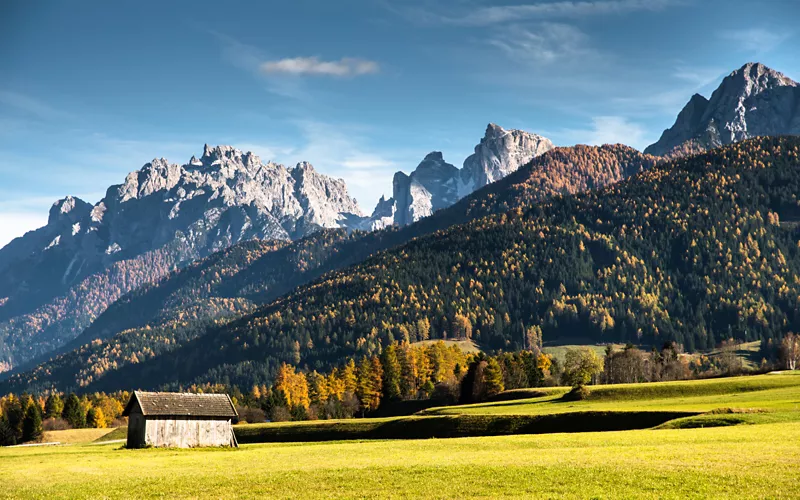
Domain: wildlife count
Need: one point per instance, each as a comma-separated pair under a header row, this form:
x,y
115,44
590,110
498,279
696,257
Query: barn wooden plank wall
x,y
187,433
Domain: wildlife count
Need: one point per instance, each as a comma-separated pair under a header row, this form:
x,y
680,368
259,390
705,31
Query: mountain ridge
x,y
751,101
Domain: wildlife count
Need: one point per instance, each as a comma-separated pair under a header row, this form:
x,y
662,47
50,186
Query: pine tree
x,y
54,406
363,386
7,435
32,424
73,412
376,382
391,373
349,377
14,415
408,371
493,377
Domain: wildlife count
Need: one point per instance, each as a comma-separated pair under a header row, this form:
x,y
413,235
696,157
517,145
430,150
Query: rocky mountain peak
x,y
304,166
754,78
69,209
435,184
501,152
751,101
493,131
433,156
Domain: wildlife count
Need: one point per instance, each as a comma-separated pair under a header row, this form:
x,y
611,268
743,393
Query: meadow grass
x,y
75,436
775,392
741,461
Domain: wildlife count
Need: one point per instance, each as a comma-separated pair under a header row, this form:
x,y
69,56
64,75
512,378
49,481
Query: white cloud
x,y
313,66
755,40
485,16
544,43
606,130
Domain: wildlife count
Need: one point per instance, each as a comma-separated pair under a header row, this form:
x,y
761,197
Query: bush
x,y
578,393
55,424
251,415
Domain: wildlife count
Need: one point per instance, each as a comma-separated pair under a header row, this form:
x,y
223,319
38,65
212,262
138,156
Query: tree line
x,y
25,417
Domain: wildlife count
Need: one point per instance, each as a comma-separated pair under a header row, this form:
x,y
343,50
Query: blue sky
x,y
92,90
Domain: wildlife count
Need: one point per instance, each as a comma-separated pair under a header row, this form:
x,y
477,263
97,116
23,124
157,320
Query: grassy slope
x,y
75,436
770,392
464,345
743,461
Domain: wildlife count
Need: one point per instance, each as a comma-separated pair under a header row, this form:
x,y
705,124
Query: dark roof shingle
x,y
182,404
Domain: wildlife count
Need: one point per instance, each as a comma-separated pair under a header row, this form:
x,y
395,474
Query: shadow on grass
x,y
451,426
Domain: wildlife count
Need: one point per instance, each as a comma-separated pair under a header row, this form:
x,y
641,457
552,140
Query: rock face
x,y
499,153
436,184
752,101
208,204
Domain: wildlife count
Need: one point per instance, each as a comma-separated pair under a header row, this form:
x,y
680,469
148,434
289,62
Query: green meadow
x,y
741,439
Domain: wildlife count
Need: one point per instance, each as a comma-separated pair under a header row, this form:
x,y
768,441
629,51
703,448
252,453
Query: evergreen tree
x,y
73,412
7,435
54,406
493,377
349,377
14,414
32,424
391,373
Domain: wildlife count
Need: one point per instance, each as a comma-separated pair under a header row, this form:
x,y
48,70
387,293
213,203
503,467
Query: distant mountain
x,y
752,101
191,302
436,184
164,215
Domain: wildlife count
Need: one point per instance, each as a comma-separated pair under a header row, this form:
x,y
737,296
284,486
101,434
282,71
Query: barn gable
x,y
168,404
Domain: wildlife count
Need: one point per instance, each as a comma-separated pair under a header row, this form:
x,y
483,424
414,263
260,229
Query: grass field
x,y
741,461
697,456
769,392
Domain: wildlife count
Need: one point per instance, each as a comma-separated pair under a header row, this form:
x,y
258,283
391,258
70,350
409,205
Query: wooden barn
x,y
180,420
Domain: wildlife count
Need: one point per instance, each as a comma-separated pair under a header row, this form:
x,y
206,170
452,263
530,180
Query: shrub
x,y
578,393
55,424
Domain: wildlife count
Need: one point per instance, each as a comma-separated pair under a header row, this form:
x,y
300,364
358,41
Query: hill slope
x,y
271,274
691,251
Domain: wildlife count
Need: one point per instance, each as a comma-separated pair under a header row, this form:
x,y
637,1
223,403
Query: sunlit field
x,y
740,461
749,447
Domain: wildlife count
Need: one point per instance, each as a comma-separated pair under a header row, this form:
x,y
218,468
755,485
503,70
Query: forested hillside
x,y
694,251
190,301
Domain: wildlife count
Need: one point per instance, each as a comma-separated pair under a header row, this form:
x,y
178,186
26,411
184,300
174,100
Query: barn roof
x,y
175,404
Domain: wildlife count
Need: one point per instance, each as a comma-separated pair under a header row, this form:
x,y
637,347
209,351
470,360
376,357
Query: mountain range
x,y
179,258
166,215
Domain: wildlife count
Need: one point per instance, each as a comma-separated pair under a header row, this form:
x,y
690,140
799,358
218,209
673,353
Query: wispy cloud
x,y
31,106
484,16
313,66
543,43
606,130
684,81
344,151
756,40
